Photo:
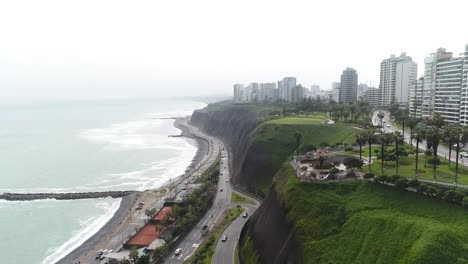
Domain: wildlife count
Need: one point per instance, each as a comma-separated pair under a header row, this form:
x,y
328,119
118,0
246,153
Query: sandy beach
x,y
126,219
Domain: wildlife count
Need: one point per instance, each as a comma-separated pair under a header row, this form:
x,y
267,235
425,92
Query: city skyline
x,y
56,49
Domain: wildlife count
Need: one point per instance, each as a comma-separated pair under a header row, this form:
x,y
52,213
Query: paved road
x,y
221,202
442,151
224,251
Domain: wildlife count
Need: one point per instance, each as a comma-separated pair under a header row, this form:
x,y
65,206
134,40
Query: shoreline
x,y
121,222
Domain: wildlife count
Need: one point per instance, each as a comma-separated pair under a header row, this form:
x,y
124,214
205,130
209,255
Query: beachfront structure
x,y
348,86
397,74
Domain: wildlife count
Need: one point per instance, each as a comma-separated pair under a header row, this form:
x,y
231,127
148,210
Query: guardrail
x,y
253,196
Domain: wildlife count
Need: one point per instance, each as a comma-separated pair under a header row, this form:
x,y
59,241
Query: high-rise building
x,y
416,97
371,96
298,94
285,87
335,91
348,86
397,74
238,93
252,93
361,89
448,85
429,88
314,90
267,92
464,90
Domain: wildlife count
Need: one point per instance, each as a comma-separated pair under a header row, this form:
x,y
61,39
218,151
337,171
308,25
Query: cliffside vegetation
x,y
275,140
364,222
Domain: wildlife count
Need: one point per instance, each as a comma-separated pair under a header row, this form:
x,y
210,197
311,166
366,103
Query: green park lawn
x,y
297,120
407,168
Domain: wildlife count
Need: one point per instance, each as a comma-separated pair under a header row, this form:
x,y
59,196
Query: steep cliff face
x,y
234,125
272,236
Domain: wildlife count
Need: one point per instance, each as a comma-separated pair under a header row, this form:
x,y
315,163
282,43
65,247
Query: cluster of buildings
x,y
442,89
286,90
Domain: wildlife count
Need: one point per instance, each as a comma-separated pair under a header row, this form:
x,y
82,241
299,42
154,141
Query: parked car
x,y
464,155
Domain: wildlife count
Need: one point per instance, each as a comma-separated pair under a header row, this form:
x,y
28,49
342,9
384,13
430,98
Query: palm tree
x,y
433,136
381,115
403,119
418,136
369,134
398,139
412,123
361,138
384,139
451,135
462,139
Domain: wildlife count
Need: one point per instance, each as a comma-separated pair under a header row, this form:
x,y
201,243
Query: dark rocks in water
x,y
62,196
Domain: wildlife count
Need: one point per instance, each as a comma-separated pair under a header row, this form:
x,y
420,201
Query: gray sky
x,y
94,49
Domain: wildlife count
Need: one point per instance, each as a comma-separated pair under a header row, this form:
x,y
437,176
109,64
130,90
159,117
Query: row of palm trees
x,y
434,133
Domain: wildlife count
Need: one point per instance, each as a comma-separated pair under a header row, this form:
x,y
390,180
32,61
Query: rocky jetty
x,y
62,196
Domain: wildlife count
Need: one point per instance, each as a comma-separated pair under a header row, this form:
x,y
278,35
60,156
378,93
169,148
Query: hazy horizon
x,y
115,49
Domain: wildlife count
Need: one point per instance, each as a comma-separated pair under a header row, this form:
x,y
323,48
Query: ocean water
x,y
80,146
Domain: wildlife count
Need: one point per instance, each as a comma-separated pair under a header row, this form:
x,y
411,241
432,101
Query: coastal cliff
x,y
237,126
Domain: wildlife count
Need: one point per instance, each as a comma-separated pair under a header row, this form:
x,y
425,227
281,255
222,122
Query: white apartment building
x,y
314,91
397,74
285,88
251,92
464,90
429,88
348,86
416,97
267,92
336,91
371,96
238,93
448,84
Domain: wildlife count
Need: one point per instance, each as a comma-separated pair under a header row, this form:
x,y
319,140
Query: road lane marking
x,y
186,258
173,257
195,245
180,256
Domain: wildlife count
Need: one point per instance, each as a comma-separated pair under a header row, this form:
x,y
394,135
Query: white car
x,y
388,126
177,251
224,239
464,155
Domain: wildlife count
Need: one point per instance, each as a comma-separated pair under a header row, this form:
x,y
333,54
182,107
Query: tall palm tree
x,y
462,139
361,138
381,115
384,139
399,140
370,137
451,136
434,135
418,136
412,123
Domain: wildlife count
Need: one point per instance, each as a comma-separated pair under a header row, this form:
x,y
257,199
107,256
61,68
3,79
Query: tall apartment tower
x,y
448,86
335,91
267,92
416,97
397,74
348,86
429,88
372,97
238,93
464,90
285,87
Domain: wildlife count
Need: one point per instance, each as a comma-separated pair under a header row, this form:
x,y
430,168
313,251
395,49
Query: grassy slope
x,y
361,222
276,137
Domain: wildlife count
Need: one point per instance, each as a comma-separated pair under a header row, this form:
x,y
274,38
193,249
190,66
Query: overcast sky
x,y
96,49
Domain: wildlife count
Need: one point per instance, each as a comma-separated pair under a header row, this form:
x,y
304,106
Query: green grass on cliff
x,y
275,141
363,222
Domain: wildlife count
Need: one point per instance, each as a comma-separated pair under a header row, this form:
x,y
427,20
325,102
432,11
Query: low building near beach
x,y
162,214
145,236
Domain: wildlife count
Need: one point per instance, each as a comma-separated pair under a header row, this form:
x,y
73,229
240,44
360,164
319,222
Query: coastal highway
x,y
193,239
224,251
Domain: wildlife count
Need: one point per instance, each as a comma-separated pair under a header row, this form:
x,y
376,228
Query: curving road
x,y
225,251
221,202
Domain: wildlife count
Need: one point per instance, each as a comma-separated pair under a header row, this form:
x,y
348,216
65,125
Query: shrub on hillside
x,y
465,202
348,149
422,188
381,178
393,178
432,191
352,162
324,144
431,161
414,183
368,175
401,183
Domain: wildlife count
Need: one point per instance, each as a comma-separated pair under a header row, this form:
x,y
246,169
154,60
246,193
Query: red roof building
x,y
145,236
157,218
